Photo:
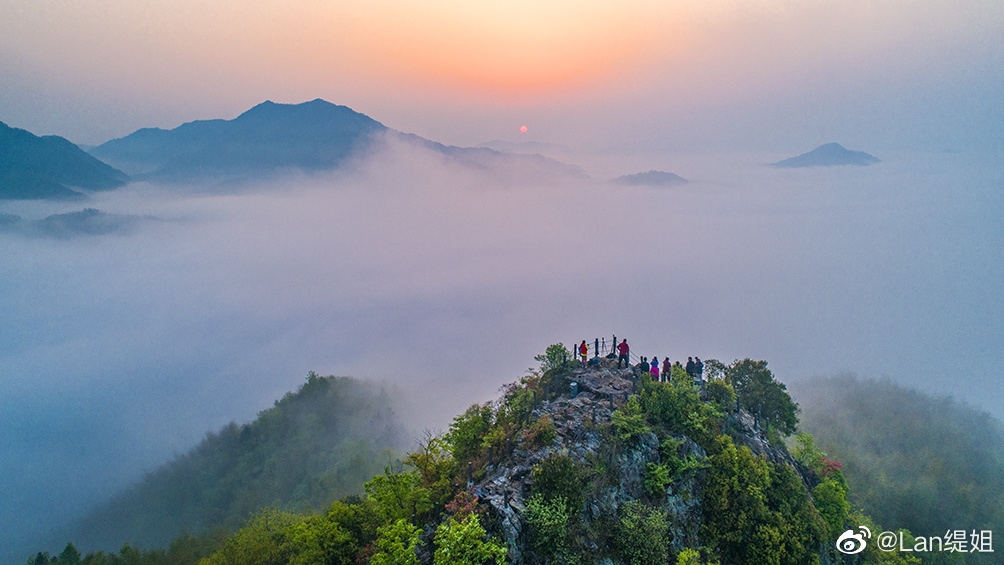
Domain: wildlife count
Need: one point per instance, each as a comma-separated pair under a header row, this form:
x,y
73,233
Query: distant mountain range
x,y
829,155
33,167
651,178
311,136
271,138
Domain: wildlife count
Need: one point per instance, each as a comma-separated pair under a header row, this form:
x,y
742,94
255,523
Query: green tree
x,y
548,521
644,534
398,496
762,395
555,357
397,544
462,543
69,555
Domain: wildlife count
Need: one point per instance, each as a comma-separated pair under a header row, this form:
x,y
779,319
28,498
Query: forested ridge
x,y
617,469
313,446
928,464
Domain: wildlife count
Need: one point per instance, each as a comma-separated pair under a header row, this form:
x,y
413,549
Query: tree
x,y
762,395
462,543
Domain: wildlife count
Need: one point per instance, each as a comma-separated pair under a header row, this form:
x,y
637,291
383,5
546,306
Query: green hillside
x,y
314,446
574,464
913,461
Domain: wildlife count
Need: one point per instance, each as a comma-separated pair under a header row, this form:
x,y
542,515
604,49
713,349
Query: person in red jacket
x,y
623,352
584,352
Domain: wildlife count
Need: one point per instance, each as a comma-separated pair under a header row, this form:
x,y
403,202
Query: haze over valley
x,y
434,247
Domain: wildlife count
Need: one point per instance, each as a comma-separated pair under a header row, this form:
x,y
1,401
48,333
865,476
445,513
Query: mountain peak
x,y
828,155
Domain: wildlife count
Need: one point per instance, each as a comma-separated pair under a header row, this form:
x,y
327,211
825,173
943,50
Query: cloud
x,y
124,348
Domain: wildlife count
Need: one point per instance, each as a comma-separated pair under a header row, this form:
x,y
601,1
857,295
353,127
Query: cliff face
x,y
620,467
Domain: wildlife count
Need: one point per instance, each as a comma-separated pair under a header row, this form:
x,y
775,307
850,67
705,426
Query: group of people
x,y
694,367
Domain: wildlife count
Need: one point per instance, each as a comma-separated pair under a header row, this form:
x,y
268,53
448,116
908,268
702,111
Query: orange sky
x,y
464,72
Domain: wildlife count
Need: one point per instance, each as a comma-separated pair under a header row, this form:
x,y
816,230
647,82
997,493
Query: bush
x,y
722,395
558,477
644,534
629,421
540,434
548,521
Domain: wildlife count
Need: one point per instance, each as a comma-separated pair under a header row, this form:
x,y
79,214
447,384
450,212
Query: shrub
x,y
558,477
548,521
722,395
629,421
657,478
540,434
644,534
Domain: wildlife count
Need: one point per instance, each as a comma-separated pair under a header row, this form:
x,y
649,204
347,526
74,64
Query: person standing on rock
x,y
654,371
690,366
623,352
584,352
667,369
699,369
644,366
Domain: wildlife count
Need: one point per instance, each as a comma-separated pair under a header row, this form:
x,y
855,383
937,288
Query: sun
x,y
523,129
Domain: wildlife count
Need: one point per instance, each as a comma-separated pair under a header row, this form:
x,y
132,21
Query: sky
x,y
121,350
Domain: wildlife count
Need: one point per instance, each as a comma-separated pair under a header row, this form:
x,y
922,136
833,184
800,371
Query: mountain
x,y
923,463
651,178
49,167
273,138
313,446
87,222
311,136
572,464
828,155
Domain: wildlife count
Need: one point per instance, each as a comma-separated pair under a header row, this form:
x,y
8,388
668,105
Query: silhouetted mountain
x,y
269,138
651,178
829,155
312,136
33,167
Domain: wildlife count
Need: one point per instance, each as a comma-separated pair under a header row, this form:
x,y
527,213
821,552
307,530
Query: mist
x,y
123,348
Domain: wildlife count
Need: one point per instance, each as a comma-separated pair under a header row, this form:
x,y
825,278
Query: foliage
x,y
318,540
540,434
398,496
435,467
690,556
722,395
910,460
758,512
830,498
397,544
629,420
467,432
264,540
558,477
676,406
657,478
555,357
466,502
762,395
548,521
462,543
644,534
313,446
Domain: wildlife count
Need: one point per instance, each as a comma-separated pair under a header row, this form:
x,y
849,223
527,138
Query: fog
x,y
123,348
